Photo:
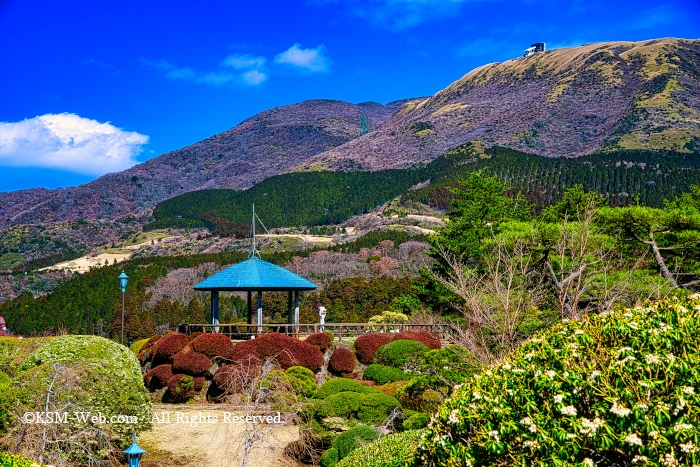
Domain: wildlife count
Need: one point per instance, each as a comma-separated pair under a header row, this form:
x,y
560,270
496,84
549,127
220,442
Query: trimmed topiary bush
x,y
451,364
395,450
416,421
382,374
329,458
354,438
320,340
367,345
619,389
404,354
303,380
192,363
167,347
287,350
342,362
427,338
146,351
424,394
244,350
182,388
158,377
375,407
343,404
392,388
213,345
337,385
138,345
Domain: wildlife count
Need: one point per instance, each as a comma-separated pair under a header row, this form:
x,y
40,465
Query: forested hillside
x,y
319,198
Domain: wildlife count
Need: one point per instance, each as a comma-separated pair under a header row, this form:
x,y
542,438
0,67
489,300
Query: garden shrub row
x,y
367,345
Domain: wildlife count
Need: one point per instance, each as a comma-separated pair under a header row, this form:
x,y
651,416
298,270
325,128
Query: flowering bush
x,y
167,347
158,377
181,388
367,345
321,340
620,388
427,338
342,362
213,345
404,354
382,374
191,363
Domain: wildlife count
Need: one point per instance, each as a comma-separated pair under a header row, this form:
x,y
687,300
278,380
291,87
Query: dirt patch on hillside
x,y
176,443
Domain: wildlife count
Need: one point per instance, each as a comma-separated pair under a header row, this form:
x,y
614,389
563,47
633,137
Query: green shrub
x,y
424,394
621,386
336,385
385,374
354,438
376,407
416,421
302,380
9,400
138,345
14,351
451,364
343,404
13,460
396,450
404,354
329,458
300,371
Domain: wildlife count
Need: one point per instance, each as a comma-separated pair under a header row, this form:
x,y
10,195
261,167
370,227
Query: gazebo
x,y
256,275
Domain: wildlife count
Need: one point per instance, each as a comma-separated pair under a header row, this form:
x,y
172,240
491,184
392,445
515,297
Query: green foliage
x,y
424,394
343,404
395,450
13,460
136,346
354,438
302,380
389,317
452,364
621,386
11,260
382,374
416,421
337,385
9,399
357,299
375,407
404,354
572,205
329,458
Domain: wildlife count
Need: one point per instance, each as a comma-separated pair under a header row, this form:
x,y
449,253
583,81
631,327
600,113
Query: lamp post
x,y
134,453
123,280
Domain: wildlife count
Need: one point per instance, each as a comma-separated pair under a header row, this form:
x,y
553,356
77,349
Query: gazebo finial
x,y
254,251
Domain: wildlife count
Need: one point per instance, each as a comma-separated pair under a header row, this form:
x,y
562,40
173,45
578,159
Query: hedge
x,y
395,450
354,438
181,388
375,407
404,354
337,385
287,350
621,386
167,347
427,338
158,377
321,340
192,363
416,421
382,374
233,378
342,362
367,345
213,345
138,345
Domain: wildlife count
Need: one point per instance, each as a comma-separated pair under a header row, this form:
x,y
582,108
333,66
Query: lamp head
x,y
123,281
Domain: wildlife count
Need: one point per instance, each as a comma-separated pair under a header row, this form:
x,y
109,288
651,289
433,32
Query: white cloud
x,y
69,142
308,60
249,71
243,61
254,77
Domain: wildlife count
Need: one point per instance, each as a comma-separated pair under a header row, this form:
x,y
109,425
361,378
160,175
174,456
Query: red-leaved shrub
x,y
191,363
367,345
232,378
321,340
244,349
167,346
342,362
158,377
213,345
184,387
193,335
427,338
289,351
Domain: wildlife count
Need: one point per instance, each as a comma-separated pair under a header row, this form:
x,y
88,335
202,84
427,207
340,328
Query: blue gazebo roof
x,y
257,275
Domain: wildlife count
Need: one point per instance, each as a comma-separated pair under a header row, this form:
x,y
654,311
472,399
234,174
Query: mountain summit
x,y
565,102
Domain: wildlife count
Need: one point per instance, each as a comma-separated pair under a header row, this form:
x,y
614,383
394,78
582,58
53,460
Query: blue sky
x,y
93,87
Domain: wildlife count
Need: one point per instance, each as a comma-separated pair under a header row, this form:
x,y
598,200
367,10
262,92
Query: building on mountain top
x,y
534,48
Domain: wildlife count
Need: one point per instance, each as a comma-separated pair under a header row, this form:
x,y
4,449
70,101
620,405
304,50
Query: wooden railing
x,y
340,331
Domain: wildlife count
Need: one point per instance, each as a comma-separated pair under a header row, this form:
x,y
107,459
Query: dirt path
x,y
173,442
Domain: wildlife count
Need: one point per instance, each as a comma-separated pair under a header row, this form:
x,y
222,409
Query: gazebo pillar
x,y
259,312
296,312
250,308
290,313
215,310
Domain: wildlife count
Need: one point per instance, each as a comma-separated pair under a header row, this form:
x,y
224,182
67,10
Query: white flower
x,y
570,436
518,370
494,434
588,462
619,410
506,367
569,410
533,428
688,389
526,421
531,444
682,426
669,461
594,375
652,359
551,374
637,459
476,395
558,398
688,447
633,440
578,332
625,360
589,427
529,356
654,435
454,419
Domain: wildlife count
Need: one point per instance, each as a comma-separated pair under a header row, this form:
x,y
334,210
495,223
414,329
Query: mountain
x,y
267,144
565,102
